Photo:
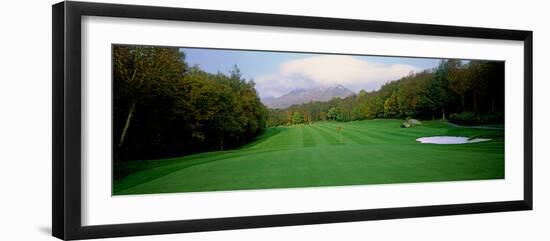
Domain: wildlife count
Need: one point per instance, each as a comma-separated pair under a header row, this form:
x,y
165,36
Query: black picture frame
x,y
66,59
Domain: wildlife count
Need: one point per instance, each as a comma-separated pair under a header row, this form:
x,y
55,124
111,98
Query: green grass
x,y
366,152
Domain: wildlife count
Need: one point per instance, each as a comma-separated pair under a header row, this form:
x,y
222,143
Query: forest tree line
x,y
162,107
467,93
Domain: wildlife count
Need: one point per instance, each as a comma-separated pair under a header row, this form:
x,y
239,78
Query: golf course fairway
x,y
313,155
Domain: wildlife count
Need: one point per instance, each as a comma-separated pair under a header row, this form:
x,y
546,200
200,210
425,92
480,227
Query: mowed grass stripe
x,y
330,138
346,128
395,131
372,135
308,137
277,140
351,135
320,140
392,135
344,139
311,155
297,140
285,139
435,128
429,128
266,139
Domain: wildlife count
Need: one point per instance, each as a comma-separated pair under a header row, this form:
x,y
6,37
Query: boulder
x,y
410,123
415,122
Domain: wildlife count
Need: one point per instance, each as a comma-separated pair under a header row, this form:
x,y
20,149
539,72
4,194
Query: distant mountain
x,y
300,96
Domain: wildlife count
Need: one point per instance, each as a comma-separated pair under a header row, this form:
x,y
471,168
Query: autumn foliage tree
x,y
163,108
142,73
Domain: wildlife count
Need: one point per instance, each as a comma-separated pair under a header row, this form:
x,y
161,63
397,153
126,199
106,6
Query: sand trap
x,y
450,140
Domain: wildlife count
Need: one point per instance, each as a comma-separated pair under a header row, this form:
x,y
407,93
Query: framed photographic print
x,y
170,120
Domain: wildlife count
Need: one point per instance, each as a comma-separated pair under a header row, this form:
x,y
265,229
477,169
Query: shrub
x,y
472,118
464,118
492,118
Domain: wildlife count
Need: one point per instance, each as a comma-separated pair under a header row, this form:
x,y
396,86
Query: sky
x,y
277,73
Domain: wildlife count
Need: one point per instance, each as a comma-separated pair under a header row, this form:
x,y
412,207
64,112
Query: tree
x,y
297,118
140,72
437,92
459,83
345,106
391,108
333,113
179,110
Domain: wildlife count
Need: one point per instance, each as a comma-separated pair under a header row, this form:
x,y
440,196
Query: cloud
x,y
326,70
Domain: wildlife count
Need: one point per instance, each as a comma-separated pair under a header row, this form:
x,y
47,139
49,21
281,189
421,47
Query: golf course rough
x,y
324,154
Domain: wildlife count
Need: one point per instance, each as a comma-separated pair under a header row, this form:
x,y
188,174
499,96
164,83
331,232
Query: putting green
x,y
363,152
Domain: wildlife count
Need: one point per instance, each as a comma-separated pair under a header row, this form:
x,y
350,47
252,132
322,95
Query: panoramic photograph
x,y
201,119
